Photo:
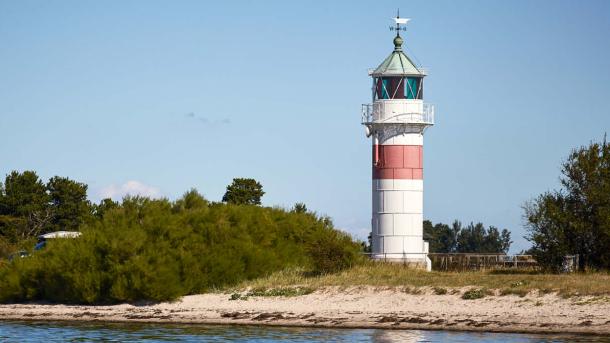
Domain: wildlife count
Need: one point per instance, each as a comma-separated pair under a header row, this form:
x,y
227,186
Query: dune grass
x,y
396,275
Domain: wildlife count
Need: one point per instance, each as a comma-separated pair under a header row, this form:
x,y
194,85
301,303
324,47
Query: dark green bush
x,y
160,250
473,294
331,250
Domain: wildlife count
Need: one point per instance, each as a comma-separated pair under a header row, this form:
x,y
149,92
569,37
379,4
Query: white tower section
x,y
396,121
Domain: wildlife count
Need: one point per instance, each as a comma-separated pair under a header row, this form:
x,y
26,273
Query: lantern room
x,y
397,77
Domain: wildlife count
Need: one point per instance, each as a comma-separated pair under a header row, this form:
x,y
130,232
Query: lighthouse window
x,y
385,88
382,88
412,90
389,88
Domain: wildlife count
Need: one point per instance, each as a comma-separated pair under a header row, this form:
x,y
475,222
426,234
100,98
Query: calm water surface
x,y
97,332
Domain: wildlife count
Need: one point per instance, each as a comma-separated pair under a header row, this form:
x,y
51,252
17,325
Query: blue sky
x,y
162,96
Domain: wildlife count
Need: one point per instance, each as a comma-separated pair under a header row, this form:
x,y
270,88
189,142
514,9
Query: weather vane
x,y
399,21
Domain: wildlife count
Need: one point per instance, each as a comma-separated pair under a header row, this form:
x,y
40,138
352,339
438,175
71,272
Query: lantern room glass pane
x,y
397,88
412,88
382,88
385,88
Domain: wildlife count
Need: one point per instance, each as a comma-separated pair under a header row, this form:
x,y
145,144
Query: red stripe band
x,y
398,162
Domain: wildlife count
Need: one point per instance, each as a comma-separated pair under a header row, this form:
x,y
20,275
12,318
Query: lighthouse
x,y
396,121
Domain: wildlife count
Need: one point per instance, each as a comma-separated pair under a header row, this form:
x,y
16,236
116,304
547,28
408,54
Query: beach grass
x,y
399,276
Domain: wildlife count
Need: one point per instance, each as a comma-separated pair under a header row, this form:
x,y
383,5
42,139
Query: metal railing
x,y
401,113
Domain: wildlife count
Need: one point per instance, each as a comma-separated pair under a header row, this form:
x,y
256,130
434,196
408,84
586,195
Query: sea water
x,y
11,331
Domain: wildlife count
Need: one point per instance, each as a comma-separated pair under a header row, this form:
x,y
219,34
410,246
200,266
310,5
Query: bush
x,y
473,294
158,250
331,251
440,290
237,296
279,292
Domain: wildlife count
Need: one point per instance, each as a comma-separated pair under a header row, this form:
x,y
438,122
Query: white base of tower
x,y
397,232
416,260
419,263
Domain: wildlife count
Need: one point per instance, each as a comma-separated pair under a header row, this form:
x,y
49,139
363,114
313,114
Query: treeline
x,y
576,218
29,207
473,238
159,250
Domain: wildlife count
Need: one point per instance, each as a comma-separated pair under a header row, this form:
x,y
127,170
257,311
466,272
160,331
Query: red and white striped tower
x,y
396,121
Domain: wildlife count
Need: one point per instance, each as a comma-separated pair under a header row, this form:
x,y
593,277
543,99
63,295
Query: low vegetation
x,y
272,292
398,276
439,290
159,250
473,294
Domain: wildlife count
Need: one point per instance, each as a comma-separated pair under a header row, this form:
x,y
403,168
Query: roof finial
x,y
399,21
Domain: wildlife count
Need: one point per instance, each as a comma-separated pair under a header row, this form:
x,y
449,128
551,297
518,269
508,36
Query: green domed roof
x,y
397,64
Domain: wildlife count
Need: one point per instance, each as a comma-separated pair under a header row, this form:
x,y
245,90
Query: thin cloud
x,y
206,121
132,187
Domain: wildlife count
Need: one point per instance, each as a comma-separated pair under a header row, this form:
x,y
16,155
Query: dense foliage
x,y
244,192
144,249
576,218
473,238
29,207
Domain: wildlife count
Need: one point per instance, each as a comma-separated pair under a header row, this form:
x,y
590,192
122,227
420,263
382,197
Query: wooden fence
x,y
465,261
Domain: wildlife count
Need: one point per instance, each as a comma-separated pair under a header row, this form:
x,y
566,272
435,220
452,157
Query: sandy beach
x,y
362,307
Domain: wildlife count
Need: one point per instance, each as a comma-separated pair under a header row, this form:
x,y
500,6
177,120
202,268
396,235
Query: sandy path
x,y
357,307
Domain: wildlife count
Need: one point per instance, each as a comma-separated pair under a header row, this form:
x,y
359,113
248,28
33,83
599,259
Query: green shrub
x,y
237,296
331,250
473,294
440,290
158,250
280,292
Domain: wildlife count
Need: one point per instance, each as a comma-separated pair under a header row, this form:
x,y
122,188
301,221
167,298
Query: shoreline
x,y
421,327
354,308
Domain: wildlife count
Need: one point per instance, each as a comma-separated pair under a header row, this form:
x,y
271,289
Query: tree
x,y
576,218
191,200
23,194
497,241
473,238
244,192
104,207
441,237
24,205
476,239
69,204
299,207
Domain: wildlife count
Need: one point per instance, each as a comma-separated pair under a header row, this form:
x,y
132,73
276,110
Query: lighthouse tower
x,y
396,121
